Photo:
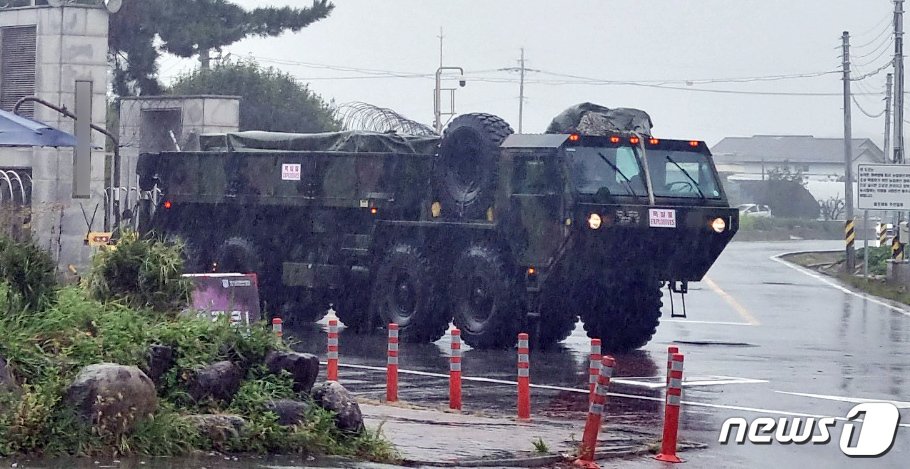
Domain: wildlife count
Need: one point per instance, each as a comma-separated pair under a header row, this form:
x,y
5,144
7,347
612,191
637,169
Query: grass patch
x,y
832,264
46,347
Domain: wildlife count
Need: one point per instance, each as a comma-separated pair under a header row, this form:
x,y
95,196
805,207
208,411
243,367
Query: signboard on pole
x,y
233,295
883,187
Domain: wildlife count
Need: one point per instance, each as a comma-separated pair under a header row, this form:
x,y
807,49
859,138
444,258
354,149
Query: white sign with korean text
x,y
290,172
662,218
883,187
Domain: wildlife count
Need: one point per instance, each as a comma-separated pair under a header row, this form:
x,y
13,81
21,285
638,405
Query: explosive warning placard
x,y
883,187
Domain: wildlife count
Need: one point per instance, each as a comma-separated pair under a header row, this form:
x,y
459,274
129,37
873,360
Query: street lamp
x,y
437,101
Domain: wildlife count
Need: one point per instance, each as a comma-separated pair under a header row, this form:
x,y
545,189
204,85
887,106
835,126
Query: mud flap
x,y
680,287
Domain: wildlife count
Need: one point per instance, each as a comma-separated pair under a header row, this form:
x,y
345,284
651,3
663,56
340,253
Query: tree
x,y
270,99
187,28
833,208
785,174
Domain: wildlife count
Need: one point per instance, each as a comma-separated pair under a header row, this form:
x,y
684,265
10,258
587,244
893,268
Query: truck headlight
x,y
594,221
718,225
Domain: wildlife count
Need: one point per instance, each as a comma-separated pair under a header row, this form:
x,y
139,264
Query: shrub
x,y
30,273
144,273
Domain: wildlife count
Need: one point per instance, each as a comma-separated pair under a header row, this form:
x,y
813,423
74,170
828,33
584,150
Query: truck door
x,y
536,206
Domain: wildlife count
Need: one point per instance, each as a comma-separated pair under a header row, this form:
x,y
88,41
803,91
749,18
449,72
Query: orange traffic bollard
x,y
671,414
277,328
332,369
391,388
595,414
670,351
524,378
594,367
455,371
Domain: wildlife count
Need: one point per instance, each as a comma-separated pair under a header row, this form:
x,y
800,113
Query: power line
x,y
879,36
885,19
867,113
871,74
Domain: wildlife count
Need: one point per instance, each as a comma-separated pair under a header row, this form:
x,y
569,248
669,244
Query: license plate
x,y
661,218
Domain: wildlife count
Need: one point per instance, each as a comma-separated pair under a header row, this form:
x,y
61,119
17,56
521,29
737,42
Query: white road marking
x,y
613,394
658,382
854,400
871,299
719,323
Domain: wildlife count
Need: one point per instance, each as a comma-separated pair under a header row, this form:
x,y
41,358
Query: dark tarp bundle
x,y
593,119
347,141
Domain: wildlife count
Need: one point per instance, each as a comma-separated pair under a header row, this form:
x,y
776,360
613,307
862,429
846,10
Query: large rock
x,y
289,412
304,368
334,397
112,397
161,359
219,428
218,381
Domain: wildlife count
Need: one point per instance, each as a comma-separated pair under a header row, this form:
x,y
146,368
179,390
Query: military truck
x,y
498,232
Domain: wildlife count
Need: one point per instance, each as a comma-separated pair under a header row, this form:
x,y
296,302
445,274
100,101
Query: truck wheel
x,y
557,321
626,316
353,309
405,293
466,172
484,297
238,255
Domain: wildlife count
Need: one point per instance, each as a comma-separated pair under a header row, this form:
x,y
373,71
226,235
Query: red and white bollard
x,y
594,367
595,414
670,351
524,378
455,371
332,368
277,327
391,388
671,414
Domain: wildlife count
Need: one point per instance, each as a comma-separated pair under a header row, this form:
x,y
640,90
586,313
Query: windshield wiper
x,y
694,182
618,171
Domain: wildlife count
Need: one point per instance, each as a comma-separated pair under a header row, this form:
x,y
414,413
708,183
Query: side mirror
x,y
462,82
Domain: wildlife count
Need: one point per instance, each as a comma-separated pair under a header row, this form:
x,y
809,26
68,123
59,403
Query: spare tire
x,y
465,175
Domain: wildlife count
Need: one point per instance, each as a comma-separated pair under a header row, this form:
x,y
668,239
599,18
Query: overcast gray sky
x,y
646,42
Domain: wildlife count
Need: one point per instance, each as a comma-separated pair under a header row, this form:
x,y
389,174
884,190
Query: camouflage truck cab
x,y
499,233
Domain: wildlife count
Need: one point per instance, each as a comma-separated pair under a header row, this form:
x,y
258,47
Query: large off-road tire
x,y
405,292
624,314
466,171
296,309
353,309
238,255
486,298
557,320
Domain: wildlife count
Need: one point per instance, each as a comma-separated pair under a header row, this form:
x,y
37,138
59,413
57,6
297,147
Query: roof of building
x,y
793,148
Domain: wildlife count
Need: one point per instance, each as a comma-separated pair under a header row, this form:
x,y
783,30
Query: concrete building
x,y
820,159
44,50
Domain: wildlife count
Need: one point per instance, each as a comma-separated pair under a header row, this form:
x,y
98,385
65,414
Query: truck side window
x,y
533,176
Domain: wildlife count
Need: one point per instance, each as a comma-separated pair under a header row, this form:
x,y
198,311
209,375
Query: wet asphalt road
x,y
760,338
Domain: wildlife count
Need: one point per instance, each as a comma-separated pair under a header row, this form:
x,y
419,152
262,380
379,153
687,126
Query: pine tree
x,y
188,28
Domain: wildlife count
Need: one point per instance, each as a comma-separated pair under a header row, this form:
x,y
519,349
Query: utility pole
x,y
899,81
521,91
848,151
888,85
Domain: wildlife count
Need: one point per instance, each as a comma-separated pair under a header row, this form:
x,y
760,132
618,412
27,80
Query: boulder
x,y
217,427
7,380
334,397
112,397
303,367
218,381
289,412
161,359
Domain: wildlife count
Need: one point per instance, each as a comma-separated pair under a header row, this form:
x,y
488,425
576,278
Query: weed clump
x,y
30,274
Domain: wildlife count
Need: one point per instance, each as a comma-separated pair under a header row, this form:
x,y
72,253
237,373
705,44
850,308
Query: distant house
x,y
820,159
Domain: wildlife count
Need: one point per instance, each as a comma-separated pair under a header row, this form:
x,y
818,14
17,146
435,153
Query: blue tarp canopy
x,y
18,131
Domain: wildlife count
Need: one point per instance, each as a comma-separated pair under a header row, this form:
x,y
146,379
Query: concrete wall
x,y
198,115
71,45
812,171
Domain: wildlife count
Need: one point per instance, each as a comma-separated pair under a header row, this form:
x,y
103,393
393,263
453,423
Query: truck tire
x,y
626,315
557,321
466,170
484,296
238,255
405,293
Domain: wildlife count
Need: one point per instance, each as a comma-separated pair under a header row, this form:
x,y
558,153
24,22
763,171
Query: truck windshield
x,y
606,170
682,174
